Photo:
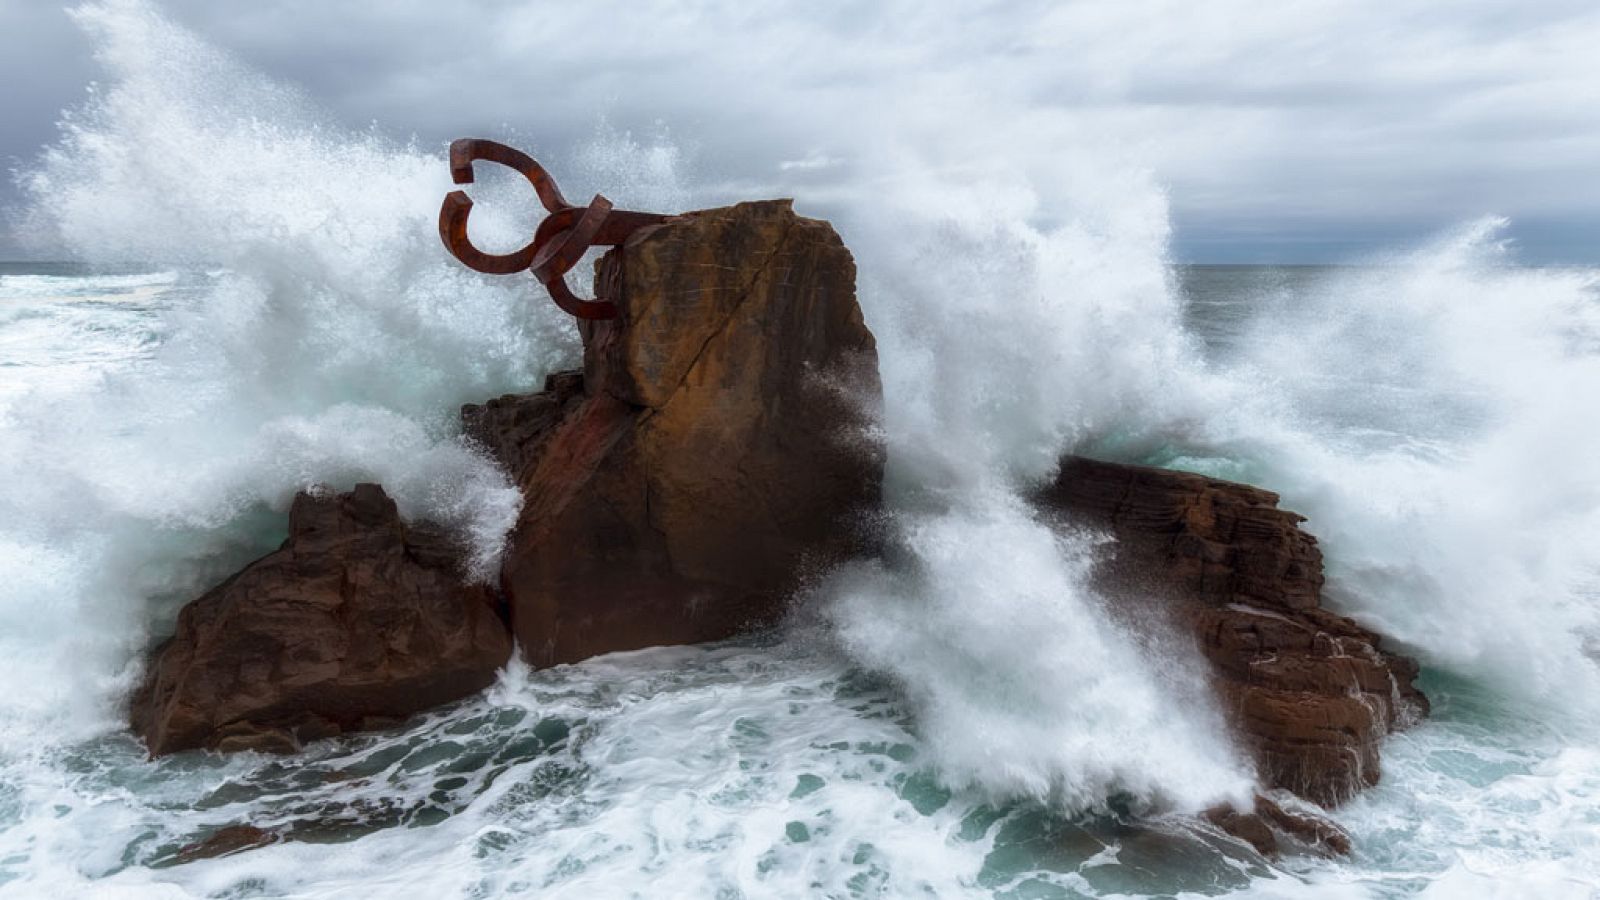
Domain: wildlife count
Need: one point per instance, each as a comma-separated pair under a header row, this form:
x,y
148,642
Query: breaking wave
x,y
302,326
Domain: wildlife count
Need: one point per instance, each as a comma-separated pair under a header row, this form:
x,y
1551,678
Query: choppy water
x,y
963,720
773,767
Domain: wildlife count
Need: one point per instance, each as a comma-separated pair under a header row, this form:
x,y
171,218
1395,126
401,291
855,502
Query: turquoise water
x,y
779,766
964,719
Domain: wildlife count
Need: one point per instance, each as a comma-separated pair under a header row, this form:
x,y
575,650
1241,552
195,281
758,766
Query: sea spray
x,y
1004,343
1022,686
335,338
1433,415
1019,290
323,337
1011,331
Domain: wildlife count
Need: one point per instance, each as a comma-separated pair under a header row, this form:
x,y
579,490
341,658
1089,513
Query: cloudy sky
x,y
1304,130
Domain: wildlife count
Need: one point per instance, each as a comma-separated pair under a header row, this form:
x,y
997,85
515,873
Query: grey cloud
x,y
44,66
1329,127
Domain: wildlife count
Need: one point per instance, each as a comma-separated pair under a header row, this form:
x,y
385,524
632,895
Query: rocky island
x,y
715,452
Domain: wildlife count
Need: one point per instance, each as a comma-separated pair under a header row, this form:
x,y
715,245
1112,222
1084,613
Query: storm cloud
x,y
1295,131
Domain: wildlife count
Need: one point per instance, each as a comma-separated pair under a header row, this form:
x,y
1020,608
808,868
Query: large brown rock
x,y
714,450
357,620
1312,693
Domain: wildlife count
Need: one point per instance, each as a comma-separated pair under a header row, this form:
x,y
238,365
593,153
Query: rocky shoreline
x,y
1311,693
715,452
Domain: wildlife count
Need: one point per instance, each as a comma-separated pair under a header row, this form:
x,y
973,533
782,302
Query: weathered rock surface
x,y
1311,693
716,448
1269,826
357,621
227,841
713,450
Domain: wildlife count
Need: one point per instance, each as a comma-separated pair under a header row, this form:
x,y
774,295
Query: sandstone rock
x,y
714,448
357,619
227,841
1248,827
1311,693
1268,825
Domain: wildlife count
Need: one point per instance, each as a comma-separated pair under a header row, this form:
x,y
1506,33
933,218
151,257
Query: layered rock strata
x,y
358,620
1310,692
714,450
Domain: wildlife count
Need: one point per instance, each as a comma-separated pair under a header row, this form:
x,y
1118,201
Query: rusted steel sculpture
x,y
560,240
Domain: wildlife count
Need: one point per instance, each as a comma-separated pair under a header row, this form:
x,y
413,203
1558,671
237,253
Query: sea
x,y
963,718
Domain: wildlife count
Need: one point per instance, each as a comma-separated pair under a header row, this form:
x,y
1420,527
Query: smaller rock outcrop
x,y
1269,826
227,841
1311,693
357,621
715,445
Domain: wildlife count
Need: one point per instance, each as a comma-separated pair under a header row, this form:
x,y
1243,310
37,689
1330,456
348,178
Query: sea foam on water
x,y
1430,414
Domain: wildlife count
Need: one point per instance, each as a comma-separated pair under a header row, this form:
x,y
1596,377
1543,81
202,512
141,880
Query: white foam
x,y
1004,342
1458,516
688,770
326,339
1023,307
132,288
1021,685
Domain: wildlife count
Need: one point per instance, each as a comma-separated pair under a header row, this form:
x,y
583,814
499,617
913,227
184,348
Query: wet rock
x,y
713,451
1311,693
1245,826
1304,828
513,428
227,840
1269,826
359,618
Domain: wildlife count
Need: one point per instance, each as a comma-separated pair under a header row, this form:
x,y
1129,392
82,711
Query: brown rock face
x,y
1312,693
228,841
358,620
713,448
1267,826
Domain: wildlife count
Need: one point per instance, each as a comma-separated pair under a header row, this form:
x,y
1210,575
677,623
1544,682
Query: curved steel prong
x,y
573,306
458,206
560,240
564,249
453,231
466,150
